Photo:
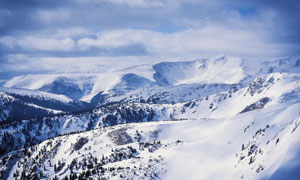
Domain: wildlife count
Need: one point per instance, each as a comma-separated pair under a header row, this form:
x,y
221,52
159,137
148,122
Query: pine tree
x,y
55,167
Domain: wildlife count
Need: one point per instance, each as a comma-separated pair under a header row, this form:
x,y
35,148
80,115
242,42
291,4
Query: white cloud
x,y
21,62
216,39
57,15
142,31
69,32
140,3
210,40
131,3
8,42
33,43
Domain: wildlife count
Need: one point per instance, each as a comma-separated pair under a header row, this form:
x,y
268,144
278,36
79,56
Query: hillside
x,y
214,118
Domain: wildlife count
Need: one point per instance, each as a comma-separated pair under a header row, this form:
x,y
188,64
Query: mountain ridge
x,y
134,127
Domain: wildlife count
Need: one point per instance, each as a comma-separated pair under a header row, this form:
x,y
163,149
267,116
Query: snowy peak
x,y
84,86
220,69
131,82
214,70
60,86
73,86
35,94
20,104
230,119
289,64
273,83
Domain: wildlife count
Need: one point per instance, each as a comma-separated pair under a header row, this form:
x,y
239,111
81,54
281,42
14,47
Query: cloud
x,y
145,30
133,3
33,43
26,64
209,39
142,3
48,16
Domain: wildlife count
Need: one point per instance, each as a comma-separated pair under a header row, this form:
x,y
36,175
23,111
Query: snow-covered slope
x,y
13,109
253,145
71,85
215,70
289,64
220,69
215,118
20,104
173,94
80,86
264,91
36,94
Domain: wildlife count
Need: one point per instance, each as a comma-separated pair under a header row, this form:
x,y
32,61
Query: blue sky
x,y
36,34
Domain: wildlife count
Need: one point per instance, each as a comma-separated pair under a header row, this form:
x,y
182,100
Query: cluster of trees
x,y
34,166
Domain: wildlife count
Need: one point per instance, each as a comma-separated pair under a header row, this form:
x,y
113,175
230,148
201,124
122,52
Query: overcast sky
x,y
46,36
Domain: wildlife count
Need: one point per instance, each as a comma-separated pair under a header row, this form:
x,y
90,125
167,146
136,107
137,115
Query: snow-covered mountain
x,y
220,69
86,86
249,146
290,64
20,104
214,118
215,70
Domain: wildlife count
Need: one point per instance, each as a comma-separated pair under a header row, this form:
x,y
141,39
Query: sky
x,y
51,36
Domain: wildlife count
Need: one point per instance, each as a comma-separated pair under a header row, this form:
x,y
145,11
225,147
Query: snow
x,y
89,83
35,93
40,107
202,120
207,149
220,69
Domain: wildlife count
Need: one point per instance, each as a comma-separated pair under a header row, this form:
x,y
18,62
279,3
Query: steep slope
x,y
131,82
5,110
263,92
20,104
13,109
220,113
215,70
73,86
35,94
173,94
248,146
86,86
220,69
288,65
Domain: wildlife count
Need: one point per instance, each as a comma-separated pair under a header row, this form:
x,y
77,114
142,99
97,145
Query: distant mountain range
x,y
215,118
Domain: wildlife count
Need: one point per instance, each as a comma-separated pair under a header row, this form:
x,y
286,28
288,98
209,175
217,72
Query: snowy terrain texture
x,y
215,118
